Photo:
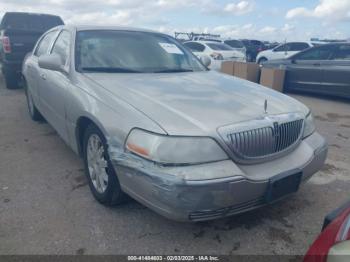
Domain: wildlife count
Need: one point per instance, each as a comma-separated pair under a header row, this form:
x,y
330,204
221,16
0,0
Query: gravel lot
x,y
46,206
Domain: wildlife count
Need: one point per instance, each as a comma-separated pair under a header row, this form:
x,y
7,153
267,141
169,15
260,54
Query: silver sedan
x,y
151,121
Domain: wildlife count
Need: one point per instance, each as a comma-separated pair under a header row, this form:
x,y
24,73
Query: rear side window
x,y
281,48
61,46
342,53
298,46
45,43
234,43
195,47
317,53
30,22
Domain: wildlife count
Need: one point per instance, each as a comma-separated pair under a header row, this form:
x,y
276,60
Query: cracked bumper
x,y
214,190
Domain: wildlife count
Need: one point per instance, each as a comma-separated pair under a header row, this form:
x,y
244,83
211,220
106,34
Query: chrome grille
x,y
265,141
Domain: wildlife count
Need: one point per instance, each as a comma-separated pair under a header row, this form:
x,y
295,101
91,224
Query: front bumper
x,y
214,190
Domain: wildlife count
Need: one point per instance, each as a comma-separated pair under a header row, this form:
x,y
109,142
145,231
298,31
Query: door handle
x,y
43,76
317,64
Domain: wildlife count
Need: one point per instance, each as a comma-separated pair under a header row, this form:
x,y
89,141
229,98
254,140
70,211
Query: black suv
x,y
18,34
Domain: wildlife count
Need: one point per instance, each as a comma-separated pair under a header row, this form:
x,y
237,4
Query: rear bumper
x,y
169,192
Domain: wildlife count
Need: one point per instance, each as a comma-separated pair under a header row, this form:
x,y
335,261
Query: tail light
x,y
6,45
335,232
217,56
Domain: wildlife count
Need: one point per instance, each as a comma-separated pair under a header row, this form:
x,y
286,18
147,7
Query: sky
x,y
272,20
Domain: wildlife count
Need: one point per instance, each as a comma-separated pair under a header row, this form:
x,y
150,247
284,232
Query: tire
x,y
262,60
32,110
11,81
108,191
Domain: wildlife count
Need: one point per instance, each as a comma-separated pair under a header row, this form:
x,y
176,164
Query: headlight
x,y
309,126
174,149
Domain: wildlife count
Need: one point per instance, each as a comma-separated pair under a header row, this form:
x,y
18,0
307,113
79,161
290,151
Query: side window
x,y
281,48
234,43
298,46
342,52
44,44
61,46
200,47
195,47
317,53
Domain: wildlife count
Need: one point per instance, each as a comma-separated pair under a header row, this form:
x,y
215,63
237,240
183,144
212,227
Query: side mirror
x,y
51,62
205,60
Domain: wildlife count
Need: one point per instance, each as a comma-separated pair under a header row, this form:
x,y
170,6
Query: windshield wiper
x,y
109,70
174,70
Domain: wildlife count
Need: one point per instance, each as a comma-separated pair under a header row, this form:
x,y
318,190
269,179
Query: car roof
x,y
93,27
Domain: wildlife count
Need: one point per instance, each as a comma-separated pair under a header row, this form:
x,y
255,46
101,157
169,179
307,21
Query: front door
x,y
53,86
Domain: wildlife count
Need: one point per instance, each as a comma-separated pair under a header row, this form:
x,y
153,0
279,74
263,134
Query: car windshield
x,y
117,51
219,46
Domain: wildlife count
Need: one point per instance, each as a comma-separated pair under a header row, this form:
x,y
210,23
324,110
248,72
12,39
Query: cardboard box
x,y
273,78
248,71
227,67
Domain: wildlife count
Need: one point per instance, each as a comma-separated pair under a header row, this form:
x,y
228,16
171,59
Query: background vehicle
x,y
236,45
322,70
217,51
18,34
333,244
270,45
253,48
282,51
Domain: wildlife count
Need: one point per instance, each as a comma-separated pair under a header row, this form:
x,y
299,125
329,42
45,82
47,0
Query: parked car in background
x,y
159,126
322,70
236,45
253,48
270,45
282,51
18,34
218,52
333,244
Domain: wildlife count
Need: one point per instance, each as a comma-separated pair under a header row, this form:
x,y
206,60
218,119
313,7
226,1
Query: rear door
x,y
279,52
195,48
337,72
236,44
306,70
296,47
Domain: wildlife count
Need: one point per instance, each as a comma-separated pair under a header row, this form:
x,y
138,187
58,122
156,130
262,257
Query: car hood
x,y
195,103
